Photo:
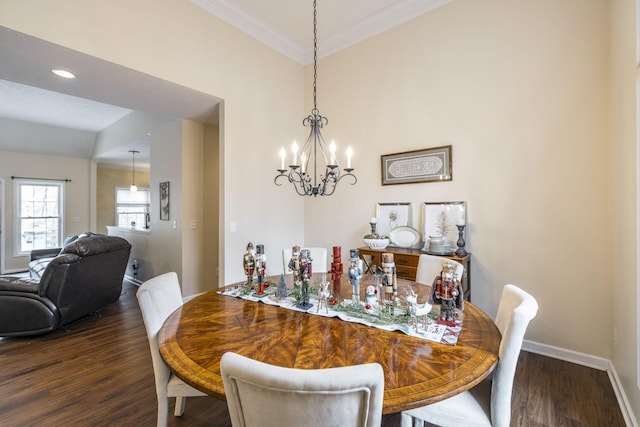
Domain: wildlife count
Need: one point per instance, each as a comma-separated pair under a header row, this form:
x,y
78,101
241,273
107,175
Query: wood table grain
x,y
417,371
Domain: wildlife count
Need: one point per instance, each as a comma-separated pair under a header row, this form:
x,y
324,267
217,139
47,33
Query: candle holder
x,y
373,229
461,252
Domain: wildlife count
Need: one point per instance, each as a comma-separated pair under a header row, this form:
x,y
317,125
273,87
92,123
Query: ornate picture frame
x,y
164,201
392,215
428,165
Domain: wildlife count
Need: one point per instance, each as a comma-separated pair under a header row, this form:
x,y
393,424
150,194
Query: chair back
x,y
515,311
430,266
319,263
86,275
259,394
158,298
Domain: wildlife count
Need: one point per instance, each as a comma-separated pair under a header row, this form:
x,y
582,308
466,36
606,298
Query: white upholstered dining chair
x,y
430,266
262,395
319,263
158,298
488,403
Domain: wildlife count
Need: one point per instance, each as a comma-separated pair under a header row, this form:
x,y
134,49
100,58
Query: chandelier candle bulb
x,y
283,155
332,149
349,154
303,160
294,149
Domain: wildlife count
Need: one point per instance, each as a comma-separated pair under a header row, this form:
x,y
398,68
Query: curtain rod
x,y
41,179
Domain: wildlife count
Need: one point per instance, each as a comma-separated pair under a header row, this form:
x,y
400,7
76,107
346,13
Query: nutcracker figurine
x,y
294,265
355,274
446,291
389,281
249,263
261,268
336,272
305,277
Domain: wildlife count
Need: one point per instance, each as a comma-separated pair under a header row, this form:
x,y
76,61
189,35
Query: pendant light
x,y
133,188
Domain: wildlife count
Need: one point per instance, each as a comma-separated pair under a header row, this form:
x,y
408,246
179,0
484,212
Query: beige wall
x,y
77,191
108,178
623,198
525,111
159,250
211,220
207,55
193,236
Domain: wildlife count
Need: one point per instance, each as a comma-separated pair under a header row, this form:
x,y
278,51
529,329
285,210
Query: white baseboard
x,y
591,362
625,406
567,355
132,280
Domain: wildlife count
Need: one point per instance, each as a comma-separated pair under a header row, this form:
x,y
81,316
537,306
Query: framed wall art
x,y
392,215
441,218
428,165
164,201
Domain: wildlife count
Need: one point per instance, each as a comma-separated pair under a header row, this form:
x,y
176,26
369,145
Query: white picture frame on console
x,y
392,215
447,215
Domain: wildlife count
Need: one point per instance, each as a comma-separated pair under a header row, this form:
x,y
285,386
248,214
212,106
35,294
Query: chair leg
x,y
163,411
180,401
407,420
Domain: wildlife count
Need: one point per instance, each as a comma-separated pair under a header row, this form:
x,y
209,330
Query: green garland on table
x,y
376,316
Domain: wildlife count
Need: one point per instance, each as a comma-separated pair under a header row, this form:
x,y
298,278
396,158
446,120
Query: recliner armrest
x,y
18,284
44,253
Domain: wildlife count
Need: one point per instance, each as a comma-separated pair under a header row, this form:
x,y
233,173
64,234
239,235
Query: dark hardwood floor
x,y
98,373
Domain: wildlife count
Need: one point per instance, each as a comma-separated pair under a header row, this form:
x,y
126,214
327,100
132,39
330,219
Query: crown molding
x,y
389,17
232,14
379,22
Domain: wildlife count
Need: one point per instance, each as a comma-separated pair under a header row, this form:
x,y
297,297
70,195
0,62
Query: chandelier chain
x,y
315,56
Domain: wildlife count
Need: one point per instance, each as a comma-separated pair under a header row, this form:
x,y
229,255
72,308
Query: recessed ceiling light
x,y
63,73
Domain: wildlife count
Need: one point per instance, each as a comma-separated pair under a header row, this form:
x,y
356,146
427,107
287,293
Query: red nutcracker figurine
x,y
446,292
336,272
261,268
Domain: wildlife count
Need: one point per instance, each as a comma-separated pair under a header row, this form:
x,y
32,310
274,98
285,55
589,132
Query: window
x,y
132,208
39,215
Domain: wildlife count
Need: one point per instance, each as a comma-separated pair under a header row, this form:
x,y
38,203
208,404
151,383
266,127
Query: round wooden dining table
x,y
417,371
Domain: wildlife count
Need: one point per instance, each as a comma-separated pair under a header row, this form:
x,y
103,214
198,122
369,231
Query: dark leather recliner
x,y
84,277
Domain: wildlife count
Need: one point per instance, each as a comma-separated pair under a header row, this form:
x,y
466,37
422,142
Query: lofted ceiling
x,y
43,113
287,25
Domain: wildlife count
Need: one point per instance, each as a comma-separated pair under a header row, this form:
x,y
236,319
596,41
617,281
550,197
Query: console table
x,y
407,264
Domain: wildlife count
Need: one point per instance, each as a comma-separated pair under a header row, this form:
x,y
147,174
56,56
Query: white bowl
x,y
376,243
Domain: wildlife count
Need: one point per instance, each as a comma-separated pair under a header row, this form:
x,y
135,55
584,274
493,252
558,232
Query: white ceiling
x,y
37,106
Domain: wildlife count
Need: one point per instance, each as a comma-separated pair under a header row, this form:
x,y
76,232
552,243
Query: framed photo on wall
x,y
392,215
164,201
428,165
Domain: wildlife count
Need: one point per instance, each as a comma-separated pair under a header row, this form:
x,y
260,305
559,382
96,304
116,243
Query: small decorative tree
x,y
442,224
